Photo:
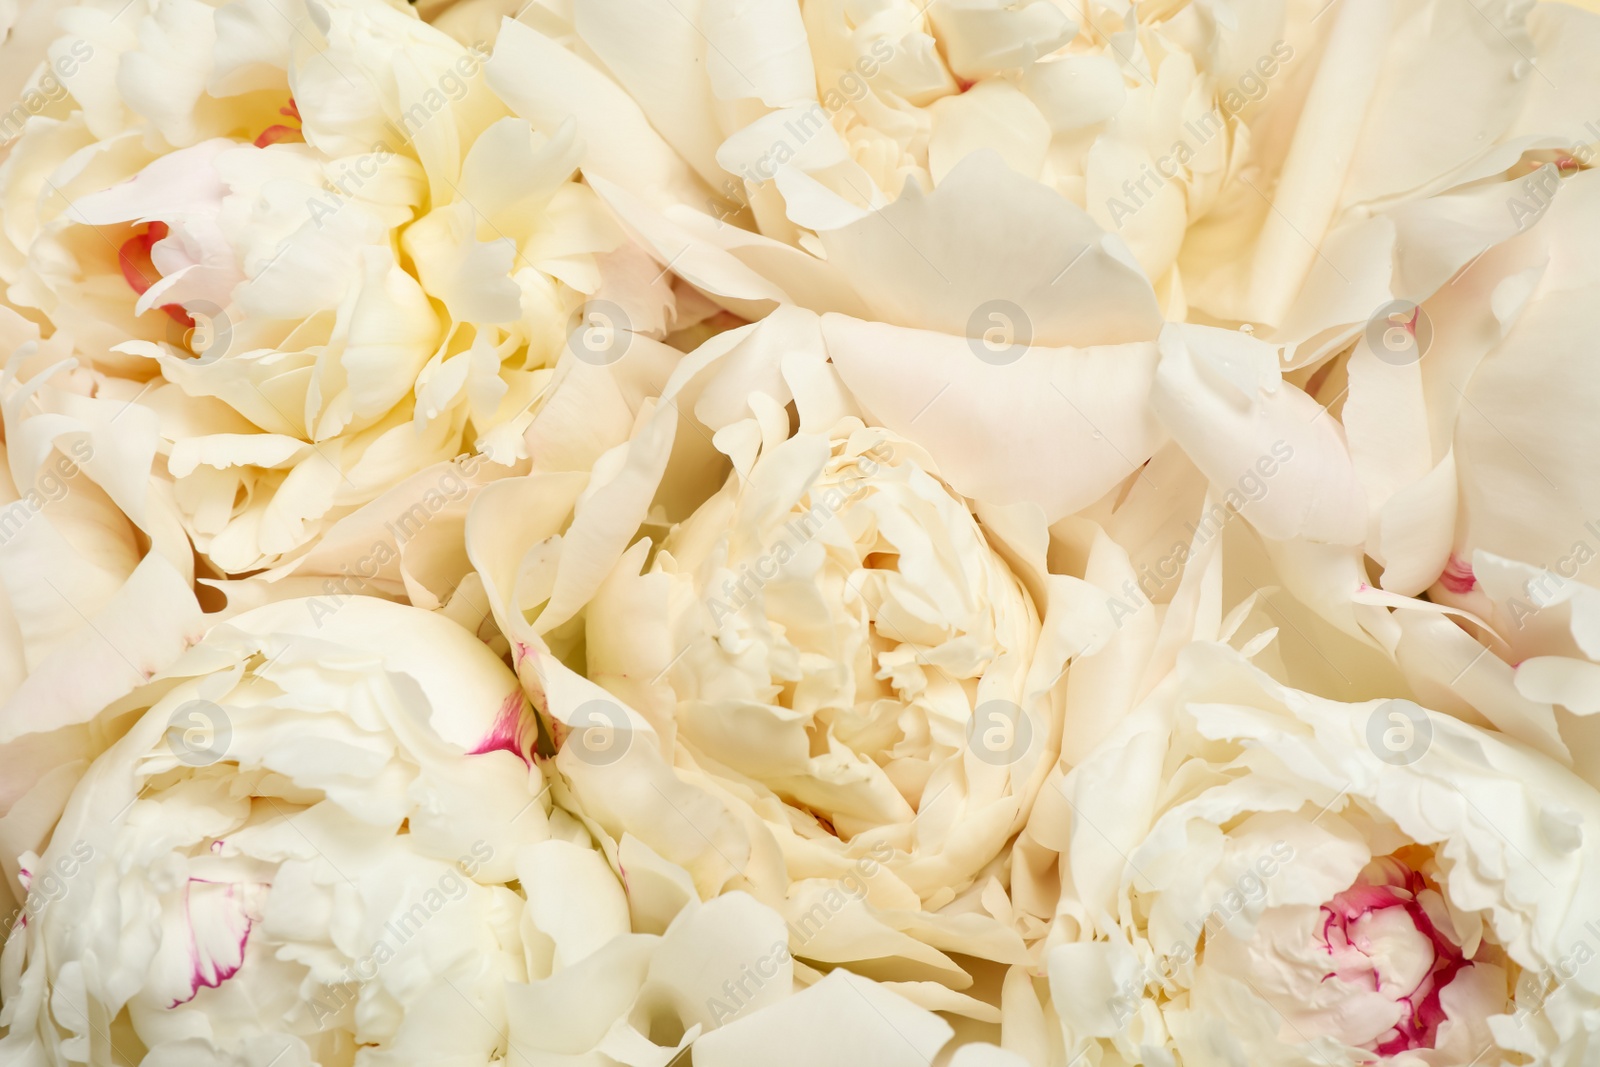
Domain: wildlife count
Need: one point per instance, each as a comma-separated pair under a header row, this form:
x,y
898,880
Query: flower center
x,y
134,259
1379,935
279,133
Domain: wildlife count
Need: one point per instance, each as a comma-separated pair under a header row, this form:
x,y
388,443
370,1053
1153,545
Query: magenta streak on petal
x,y
1458,576
506,733
198,976
1420,1026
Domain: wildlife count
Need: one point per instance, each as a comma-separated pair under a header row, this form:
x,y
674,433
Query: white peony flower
x,y
299,851
807,117
816,678
1305,203
96,575
1264,167
845,107
833,632
874,655
303,238
1473,512
1251,873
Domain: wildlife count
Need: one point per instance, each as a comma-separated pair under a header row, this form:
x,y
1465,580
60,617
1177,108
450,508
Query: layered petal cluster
x,y
1257,874
827,684
834,622
1259,166
96,575
718,979
1480,498
997,206
830,110
326,844
1445,544
302,845
330,258
984,533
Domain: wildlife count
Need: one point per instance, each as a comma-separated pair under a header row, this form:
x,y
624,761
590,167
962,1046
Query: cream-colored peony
x,y
835,634
320,841
1470,510
322,252
979,288
303,848
1477,450
816,677
832,110
1254,874
1282,165
96,575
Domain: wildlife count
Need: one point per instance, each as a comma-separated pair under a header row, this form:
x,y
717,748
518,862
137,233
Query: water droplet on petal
x,y
1520,68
